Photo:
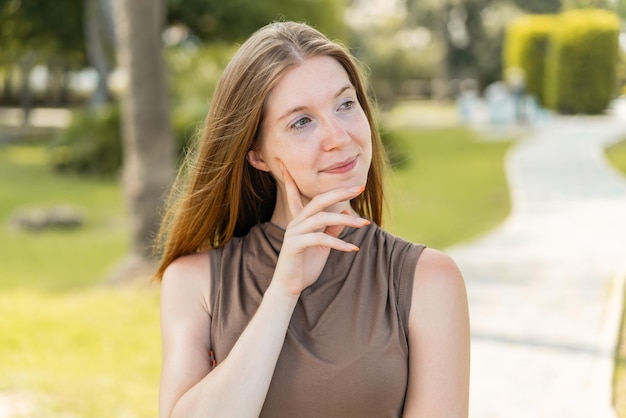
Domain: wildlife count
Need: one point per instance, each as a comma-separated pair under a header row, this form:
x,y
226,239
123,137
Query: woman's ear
x,y
256,160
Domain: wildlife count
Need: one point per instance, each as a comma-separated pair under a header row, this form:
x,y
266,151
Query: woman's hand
x,y
311,234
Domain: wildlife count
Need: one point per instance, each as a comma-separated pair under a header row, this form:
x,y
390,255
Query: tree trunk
x,y
148,143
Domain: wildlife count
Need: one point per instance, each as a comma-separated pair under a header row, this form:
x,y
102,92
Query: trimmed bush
x,y
581,62
90,145
395,149
526,46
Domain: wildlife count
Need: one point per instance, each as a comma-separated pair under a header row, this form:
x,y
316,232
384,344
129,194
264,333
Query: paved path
x,y
545,287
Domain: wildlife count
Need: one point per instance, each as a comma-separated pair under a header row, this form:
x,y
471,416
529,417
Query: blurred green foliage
x,y
235,20
91,144
483,23
539,6
50,28
526,46
617,156
56,27
193,76
587,4
581,62
569,60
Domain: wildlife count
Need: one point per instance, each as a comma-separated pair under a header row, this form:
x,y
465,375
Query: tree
x,y
470,32
34,33
235,20
584,4
148,144
539,6
620,8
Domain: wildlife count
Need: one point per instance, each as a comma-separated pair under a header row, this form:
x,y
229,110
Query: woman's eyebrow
x,y
301,108
343,89
292,111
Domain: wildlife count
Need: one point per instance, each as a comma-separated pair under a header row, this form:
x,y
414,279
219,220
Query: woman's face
x,y
315,125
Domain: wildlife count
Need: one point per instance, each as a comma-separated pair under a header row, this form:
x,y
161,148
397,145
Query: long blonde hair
x,y
217,194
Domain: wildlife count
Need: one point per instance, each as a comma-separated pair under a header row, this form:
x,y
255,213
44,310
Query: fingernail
x,y
356,189
364,221
354,247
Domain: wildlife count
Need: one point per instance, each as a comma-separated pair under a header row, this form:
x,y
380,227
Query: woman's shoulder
x,y
435,263
187,278
438,276
188,266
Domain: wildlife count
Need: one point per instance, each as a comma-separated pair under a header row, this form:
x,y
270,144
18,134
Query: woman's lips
x,y
342,167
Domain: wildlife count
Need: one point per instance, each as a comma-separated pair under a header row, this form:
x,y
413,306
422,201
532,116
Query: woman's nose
x,y
335,134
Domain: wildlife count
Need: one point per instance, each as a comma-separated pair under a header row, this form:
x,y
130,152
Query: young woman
x,y
281,295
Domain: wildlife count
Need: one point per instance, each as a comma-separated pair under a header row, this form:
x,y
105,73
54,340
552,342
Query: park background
x,y
79,333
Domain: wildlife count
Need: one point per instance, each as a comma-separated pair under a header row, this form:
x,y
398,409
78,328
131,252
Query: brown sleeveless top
x,y
346,349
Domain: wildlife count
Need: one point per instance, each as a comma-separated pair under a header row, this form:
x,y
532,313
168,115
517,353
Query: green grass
x,y
92,353
27,183
450,188
617,156
71,347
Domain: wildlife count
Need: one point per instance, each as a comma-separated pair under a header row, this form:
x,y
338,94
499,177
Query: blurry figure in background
x,y
281,294
499,103
468,100
516,80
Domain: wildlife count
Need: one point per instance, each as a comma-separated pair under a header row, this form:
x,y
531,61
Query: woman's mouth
x,y
341,167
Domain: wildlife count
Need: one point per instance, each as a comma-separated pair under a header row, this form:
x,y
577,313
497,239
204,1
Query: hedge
x,y
526,46
90,145
582,60
569,60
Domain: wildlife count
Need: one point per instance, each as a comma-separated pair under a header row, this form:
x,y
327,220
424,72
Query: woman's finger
x,y
335,230
294,197
330,223
321,239
318,203
324,200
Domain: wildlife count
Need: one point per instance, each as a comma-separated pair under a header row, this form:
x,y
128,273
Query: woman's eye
x,y
301,123
347,105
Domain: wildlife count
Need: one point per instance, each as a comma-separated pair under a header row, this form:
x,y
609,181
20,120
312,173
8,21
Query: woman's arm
x,y
185,328
238,385
439,340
